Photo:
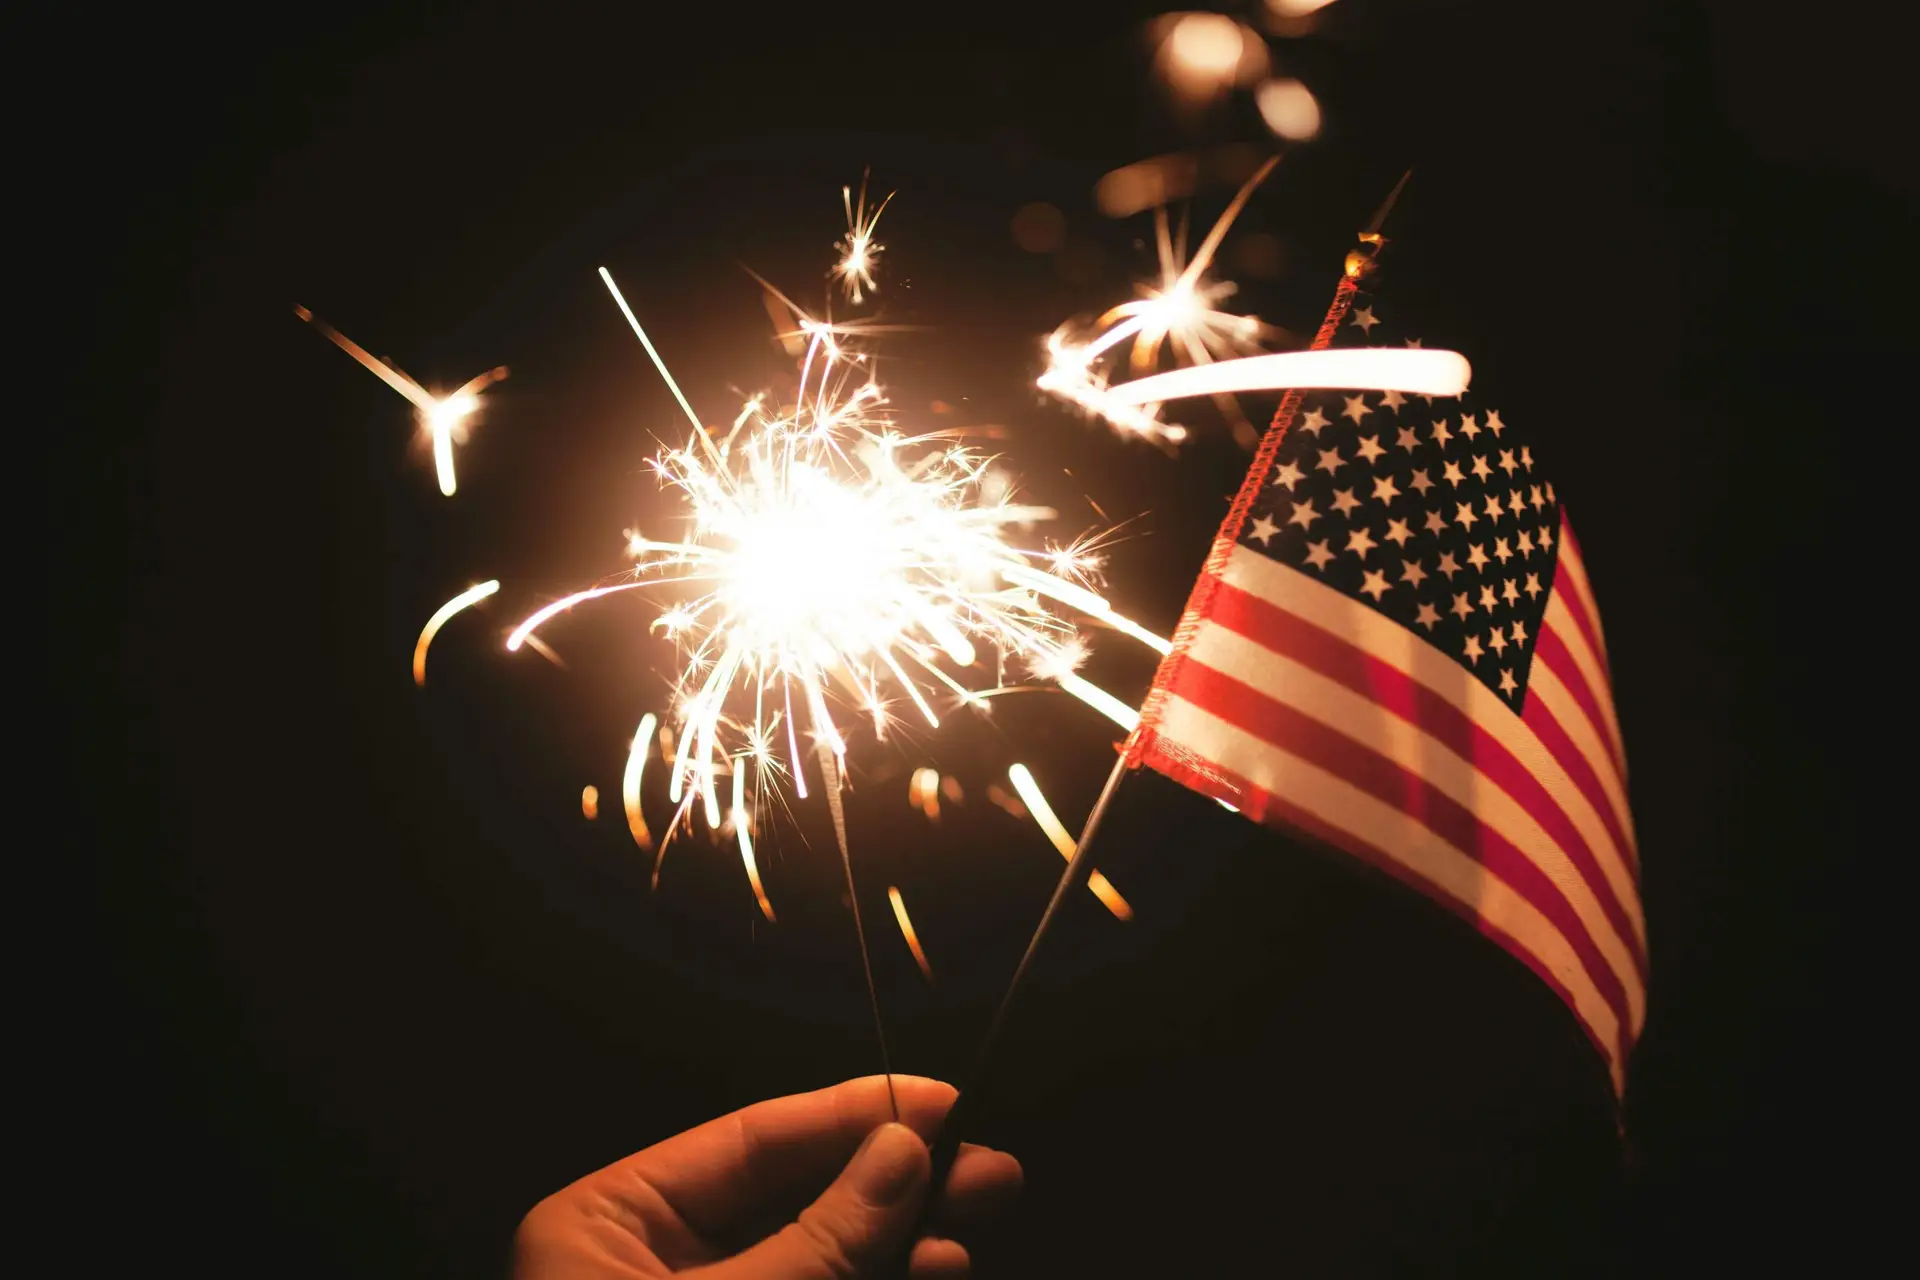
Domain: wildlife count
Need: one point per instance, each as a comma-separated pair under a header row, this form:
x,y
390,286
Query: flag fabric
x,y
1393,649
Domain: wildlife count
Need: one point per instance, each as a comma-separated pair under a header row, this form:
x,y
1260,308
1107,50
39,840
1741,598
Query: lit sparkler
x,y
443,418
832,560
1180,314
859,251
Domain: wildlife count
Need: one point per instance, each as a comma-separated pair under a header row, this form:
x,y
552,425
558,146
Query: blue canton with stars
x,y
1429,510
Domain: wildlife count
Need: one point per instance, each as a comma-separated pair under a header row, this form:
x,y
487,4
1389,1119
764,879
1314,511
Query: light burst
x,y
859,251
835,570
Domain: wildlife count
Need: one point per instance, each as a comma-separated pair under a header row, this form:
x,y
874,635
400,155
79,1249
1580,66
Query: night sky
x,y
367,985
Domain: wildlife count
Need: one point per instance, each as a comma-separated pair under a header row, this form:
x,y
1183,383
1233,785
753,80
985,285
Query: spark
x,y
1050,823
630,781
443,418
906,931
831,561
472,595
590,802
923,792
859,251
741,824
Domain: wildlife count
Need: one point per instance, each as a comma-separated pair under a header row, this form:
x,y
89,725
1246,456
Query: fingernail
x,y
888,1163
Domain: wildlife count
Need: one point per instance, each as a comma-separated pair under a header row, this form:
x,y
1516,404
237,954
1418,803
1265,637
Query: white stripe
x,y
1576,571
1544,685
1341,805
1383,638
1427,758
1561,622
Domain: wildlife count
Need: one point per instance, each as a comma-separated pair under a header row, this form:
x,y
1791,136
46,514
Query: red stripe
x,y
1274,628
1264,807
1554,738
1277,723
1588,623
1549,648
1577,608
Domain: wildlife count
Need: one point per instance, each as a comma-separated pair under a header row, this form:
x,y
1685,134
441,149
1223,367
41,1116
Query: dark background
x,y
366,985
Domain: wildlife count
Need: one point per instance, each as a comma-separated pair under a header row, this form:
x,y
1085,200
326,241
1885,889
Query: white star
x,y
1488,600
1507,464
1480,468
1360,542
1407,439
1392,399
1448,565
1510,593
1515,505
1412,572
1460,606
1421,482
1330,460
1427,617
1288,476
1546,536
1318,555
1476,557
1451,473
1415,342
1507,684
1519,633
1344,502
1263,529
1493,422
1303,514
1473,649
1463,515
1468,427
1370,447
1313,421
1548,489
1526,457
1436,523
1497,641
1383,488
1493,507
1533,496
1397,533
1356,408
1526,543
1374,584
1440,433
1501,551
1533,585
1364,317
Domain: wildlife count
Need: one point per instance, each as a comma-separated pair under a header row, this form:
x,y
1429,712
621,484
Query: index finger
x,y
718,1173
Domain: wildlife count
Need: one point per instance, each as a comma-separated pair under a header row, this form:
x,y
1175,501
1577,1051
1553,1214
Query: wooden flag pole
x,y
1359,263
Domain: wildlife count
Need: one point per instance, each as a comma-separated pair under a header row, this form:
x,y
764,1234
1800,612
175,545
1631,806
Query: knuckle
x,y
826,1240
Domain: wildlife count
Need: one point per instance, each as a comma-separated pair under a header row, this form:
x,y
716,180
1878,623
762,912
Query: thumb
x,y
857,1227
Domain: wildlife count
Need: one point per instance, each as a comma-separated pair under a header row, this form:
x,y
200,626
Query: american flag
x,y
1393,649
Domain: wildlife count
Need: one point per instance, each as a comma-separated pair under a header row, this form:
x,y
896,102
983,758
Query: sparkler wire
x,y
830,771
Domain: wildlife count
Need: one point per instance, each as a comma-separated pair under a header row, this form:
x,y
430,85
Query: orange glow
x,y
906,931
923,792
997,795
472,595
590,802
1056,832
1289,109
1206,54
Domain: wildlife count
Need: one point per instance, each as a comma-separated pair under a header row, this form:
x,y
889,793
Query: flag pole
x,y
1359,263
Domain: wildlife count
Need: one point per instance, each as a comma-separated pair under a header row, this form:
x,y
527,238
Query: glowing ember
x,y
1043,814
906,931
472,595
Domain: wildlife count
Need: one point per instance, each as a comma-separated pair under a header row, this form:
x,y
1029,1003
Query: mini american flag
x,y
1393,649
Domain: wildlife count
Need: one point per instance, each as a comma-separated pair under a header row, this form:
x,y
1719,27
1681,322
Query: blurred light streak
x,y
630,781
590,802
1050,823
906,931
740,825
1414,370
472,595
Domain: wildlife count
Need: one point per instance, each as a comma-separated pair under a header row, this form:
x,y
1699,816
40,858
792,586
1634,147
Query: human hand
x,y
725,1200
